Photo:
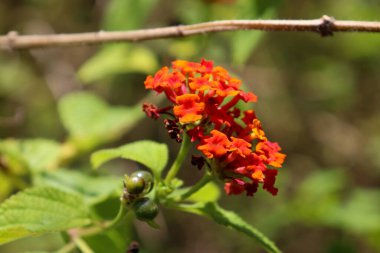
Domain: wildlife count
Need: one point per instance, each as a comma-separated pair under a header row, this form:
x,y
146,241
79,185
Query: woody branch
x,y
325,26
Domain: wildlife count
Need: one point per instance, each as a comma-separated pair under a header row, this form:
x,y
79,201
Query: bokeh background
x,y
318,97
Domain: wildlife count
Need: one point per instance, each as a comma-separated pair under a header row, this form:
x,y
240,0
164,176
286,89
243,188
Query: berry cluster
x,y
204,104
136,186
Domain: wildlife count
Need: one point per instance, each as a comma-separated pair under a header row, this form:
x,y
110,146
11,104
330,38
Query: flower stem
x,y
179,160
119,217
66,248
105,226
82,245
199,185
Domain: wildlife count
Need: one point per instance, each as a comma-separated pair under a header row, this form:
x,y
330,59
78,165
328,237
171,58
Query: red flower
x,y
216,145
235,186
157,81
242,147
270,178
186,67
151,111
204,100
271,152
200,84
172,84
188,108
196,133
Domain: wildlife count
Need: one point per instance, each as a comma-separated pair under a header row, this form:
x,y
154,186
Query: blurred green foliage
x,y
318,97
57,209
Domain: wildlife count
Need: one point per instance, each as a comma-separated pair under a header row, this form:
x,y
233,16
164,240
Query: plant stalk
x,y
106,226
199,185
185,145
82,245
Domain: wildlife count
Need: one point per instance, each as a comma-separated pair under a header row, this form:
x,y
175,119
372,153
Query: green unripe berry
x,y
145,209
135,185
147,178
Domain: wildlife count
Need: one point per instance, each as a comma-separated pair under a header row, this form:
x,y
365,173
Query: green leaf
x,y
90,121
108,242
40,210
121,58
118,59
93,189
6,186
322,187
209,193
126,14
243,42
35,154
151,154
232,220
114,240
361,213
36,252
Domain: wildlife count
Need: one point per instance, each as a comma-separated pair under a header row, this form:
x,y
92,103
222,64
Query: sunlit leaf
x,y
90,121
244,42
121,58
5,186
209,193
37,252
126,14
232,220
115,240
117,59
35,154
40,210
324,188
361,213
151,154
93,189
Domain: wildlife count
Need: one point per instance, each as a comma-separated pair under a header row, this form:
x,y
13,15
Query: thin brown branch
x,y
325,26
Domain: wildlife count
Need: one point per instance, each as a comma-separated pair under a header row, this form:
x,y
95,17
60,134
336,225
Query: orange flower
x,y
257,130
164,81
188,110
270,152
155,82
216,145
254,126
191,68
208,96
240,146
220,73
201,83
248,96
258,175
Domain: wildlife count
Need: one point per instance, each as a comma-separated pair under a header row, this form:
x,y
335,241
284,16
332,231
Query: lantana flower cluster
x,y
204,105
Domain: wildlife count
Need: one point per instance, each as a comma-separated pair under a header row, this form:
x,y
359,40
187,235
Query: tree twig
x,y
325,26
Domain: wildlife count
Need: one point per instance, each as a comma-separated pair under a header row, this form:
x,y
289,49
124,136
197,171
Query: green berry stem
x,y
82,245
76,239
119,217
67,248
207,177
185,145
100,228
